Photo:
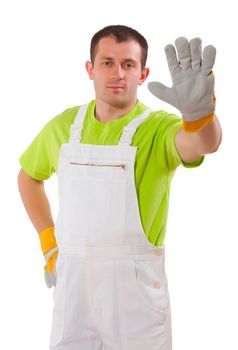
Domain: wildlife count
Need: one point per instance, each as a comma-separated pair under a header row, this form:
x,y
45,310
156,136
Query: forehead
x,y
109,47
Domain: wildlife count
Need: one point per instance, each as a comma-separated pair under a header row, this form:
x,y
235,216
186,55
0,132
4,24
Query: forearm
x,y
207,139
35,201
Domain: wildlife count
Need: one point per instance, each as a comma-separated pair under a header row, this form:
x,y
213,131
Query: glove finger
x,y
172,60
50,279
47,279
196,53
163,92
184,54
209,55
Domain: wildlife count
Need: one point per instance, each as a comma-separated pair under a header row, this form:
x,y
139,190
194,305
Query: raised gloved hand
x,y
192,92
50,251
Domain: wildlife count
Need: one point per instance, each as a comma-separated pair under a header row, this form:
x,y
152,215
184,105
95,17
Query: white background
x,y
44,45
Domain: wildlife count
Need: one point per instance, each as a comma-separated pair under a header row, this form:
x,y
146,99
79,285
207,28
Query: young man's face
x,y
117,72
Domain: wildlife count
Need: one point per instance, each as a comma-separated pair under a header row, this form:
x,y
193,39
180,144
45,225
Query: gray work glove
x,y
192,92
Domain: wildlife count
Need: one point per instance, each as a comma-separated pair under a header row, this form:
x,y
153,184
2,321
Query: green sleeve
x,y
40,159
37,161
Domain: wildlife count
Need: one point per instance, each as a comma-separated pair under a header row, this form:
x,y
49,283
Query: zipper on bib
x,y
123,166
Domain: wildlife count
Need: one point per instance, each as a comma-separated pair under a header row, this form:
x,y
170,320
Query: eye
x,y
107,63
127,65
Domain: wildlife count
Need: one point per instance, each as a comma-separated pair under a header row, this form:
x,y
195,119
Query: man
x,y
115,159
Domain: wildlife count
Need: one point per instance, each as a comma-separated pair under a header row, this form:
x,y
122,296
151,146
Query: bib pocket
x,y
93,202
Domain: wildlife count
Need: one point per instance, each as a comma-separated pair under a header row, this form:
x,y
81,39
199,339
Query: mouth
x,y
115,87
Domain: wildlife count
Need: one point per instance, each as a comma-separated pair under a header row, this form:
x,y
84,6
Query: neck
x,y
105,112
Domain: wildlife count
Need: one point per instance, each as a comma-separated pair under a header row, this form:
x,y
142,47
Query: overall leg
x,y
73,326
135,312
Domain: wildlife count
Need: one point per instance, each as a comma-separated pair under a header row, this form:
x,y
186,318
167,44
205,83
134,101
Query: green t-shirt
x,y
156,160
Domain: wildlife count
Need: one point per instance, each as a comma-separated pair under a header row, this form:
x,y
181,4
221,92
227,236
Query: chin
x,y
118,103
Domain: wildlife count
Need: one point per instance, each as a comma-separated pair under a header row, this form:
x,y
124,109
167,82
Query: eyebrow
x,y
111,59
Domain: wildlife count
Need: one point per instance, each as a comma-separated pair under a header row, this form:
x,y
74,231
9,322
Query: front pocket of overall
x,y
151,285
93,203
59,311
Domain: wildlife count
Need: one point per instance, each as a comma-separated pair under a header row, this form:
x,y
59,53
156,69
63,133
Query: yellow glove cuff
x,y
196,125
47,239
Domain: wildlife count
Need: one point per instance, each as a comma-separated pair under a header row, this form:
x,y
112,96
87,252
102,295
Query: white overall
x,y
111,291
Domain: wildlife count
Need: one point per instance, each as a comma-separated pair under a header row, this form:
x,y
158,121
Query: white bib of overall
x,y
111,291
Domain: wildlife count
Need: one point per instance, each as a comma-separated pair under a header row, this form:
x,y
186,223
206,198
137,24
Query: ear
x,y
144,74
89,69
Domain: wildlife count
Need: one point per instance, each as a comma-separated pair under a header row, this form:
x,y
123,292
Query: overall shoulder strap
x,y
77,127
130,129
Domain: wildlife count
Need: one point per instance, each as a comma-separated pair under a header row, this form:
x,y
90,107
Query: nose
x,y
118,72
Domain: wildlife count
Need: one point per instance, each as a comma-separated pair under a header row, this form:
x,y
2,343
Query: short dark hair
x,y
121,33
